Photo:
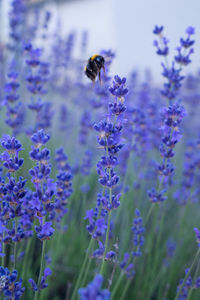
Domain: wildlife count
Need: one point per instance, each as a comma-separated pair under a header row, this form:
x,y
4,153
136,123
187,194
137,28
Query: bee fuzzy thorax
x,y
94,56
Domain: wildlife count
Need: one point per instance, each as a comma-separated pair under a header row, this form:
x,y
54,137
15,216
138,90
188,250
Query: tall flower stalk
x,y
110,139
173,114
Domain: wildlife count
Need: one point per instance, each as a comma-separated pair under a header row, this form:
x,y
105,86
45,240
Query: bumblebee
x,y
94,66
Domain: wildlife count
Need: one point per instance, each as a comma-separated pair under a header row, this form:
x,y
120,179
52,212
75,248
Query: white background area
x,y
125,26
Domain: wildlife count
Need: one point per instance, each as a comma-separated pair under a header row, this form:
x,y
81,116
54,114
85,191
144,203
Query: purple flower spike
x,y
33,284
162,43
43,284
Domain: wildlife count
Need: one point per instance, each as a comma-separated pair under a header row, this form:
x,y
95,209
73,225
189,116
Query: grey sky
x,y
126,27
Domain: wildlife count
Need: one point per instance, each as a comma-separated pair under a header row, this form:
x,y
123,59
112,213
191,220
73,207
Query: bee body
x,y
94,66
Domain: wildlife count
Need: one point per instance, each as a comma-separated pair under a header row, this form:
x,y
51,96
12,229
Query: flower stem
x,y
4,252
86,273
149,213
194,277
117,285
125,289
41,269
74,294
107,234
28,247
15,246
190,293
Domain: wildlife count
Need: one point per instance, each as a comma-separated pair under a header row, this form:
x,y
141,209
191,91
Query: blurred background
x,y
44,46
123,26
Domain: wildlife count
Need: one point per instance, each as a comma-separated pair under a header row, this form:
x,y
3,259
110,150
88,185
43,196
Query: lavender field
x,y
99,181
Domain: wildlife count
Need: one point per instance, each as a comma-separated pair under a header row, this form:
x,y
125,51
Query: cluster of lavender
x,y
42,284
188,284
20,207
186,287
94,291
173,114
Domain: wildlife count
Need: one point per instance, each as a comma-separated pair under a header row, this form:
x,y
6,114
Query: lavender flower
x,y
173,75
86,163
15,109
127,264
9,286
185,193
138,231
172,117
93,291
109,139
161,44
36,79
16,23
44,231
43,284
45,188
185,50
185,288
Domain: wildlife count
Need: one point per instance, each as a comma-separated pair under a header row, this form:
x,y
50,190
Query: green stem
x,y
15,255
157,251
194,277
188,273
4,252
150,253
125,289
28,247
149,214
86,273
108,228
106,243
15,246
82,282
117,285
41,269
190,293
74,294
